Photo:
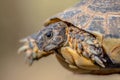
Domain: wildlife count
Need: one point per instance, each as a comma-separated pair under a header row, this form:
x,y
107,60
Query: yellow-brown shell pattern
x,y
95,15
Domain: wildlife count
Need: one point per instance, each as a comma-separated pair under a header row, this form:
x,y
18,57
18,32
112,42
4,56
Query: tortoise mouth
x,y
31,51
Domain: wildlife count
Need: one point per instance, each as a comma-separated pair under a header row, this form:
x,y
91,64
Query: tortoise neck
x,y
74,36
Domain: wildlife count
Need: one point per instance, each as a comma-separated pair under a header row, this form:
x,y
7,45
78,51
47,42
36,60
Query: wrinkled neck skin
x,y
77,38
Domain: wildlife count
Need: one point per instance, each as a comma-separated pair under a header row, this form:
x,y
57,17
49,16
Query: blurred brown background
x,y
19,18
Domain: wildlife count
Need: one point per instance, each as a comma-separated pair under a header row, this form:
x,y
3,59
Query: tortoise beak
x,y
30,50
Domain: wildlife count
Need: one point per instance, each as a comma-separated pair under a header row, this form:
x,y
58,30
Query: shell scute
x,y
97,24
70,13
105,6
82,20
114,26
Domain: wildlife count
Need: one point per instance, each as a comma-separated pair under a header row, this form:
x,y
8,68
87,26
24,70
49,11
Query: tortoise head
x,y
51,37
46,41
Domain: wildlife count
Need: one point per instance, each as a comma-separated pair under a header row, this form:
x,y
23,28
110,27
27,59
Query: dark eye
x,y
49,34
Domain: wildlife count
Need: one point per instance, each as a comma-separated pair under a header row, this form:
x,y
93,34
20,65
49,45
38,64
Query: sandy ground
x,y
19,18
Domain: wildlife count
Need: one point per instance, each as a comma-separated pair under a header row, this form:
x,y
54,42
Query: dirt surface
x,y
19,18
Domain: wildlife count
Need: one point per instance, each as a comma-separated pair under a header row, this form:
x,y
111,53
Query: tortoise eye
x,y
49,34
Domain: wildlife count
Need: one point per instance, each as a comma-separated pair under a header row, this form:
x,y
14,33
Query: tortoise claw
x,y
23,49
98,61
28,50
28,57
24,40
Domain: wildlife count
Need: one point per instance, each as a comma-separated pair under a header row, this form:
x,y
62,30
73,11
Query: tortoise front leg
x,y
74,59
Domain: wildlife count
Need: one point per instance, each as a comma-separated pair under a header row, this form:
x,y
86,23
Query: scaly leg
x,y
74,59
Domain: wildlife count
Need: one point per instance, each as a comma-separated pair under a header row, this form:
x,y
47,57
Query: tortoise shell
x,y
95,15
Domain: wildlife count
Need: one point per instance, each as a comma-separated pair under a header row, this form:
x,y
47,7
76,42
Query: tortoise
x,y
85,38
